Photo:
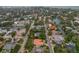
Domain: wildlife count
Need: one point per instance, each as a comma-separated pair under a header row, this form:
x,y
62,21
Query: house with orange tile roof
x,y
52,27
38,42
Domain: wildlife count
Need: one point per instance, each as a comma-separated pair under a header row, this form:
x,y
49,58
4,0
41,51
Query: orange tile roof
x,y
38,42
53,27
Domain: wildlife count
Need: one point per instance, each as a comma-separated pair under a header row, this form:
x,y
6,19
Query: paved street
x,y
48,39
25,39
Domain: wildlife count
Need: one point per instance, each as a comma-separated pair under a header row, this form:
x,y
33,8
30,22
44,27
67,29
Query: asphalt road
x,y
25,39
48,39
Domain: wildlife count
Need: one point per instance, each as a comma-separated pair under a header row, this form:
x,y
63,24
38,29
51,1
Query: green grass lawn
x,y
16,48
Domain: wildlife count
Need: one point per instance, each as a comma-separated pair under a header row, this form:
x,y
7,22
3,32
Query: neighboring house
x,y
3,31
19,34
7,48
71,47
58,39
38,42
69,28
37,34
